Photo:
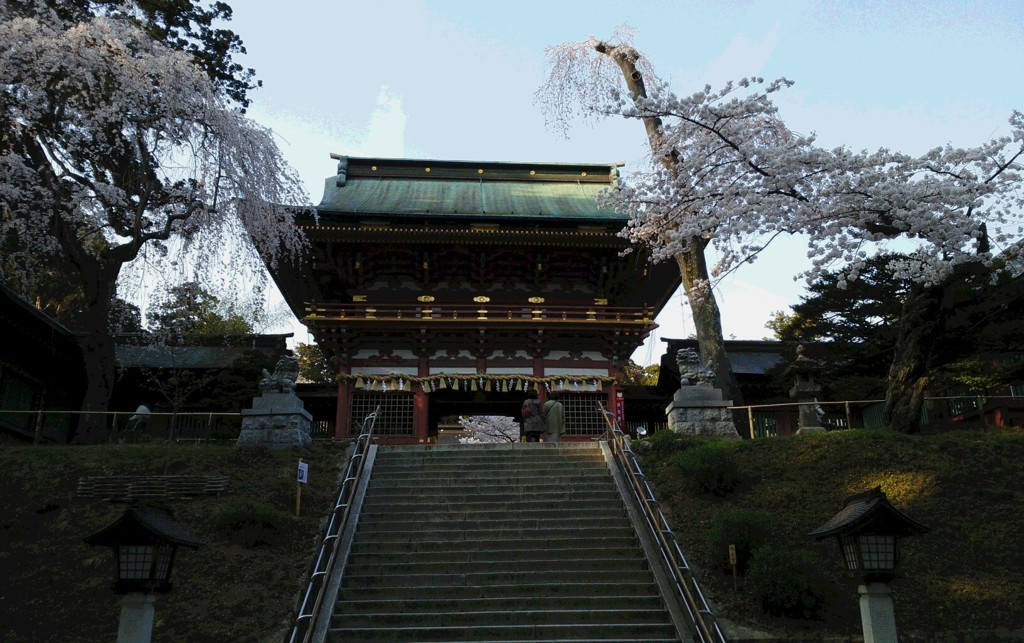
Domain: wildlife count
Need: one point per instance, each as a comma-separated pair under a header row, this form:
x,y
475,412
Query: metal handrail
x,y
704,625
323,565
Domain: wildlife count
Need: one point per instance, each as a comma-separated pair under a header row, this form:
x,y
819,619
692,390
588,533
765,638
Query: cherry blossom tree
x,y
490,429
114,146
725,170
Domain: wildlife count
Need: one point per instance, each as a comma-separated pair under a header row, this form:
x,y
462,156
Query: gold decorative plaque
x,y
536,300
481,299
358,297
425,298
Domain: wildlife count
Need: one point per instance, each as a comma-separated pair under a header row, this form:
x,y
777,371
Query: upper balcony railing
x,y
481,312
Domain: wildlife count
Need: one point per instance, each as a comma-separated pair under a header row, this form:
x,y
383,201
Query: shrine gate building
x,y
448,288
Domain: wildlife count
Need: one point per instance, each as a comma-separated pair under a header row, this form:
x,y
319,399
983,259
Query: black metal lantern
x,y
868,529
144,540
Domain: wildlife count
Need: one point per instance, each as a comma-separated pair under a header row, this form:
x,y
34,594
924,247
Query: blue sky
x,y
455,79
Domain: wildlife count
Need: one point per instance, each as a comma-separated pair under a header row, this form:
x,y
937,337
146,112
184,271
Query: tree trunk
x,y
693,267
97,355
707,319
920,329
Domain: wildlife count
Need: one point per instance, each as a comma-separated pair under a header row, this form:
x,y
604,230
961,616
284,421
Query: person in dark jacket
x,y
533,423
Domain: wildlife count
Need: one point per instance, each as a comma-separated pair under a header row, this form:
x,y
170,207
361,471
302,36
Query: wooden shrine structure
x,y
448,288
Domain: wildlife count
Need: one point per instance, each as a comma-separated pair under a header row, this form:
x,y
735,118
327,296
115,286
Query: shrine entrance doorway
x,y
444,404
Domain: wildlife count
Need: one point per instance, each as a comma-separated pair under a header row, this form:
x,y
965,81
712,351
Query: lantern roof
x,y
869,511
419,189
144,524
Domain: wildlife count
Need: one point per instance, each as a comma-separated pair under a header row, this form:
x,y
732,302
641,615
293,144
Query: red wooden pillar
x,y
617,404
421,404
538,371
343,412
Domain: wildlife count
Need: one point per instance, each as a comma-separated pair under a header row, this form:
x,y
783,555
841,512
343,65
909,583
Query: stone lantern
x,y
144,540
805,391
868,529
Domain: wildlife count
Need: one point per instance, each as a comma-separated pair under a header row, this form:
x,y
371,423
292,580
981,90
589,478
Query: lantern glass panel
x,y
878,552
849,546
165,553
135,562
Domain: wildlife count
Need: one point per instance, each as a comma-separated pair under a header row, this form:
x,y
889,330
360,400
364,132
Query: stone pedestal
x,y
700,410
276,420
876,613
136,624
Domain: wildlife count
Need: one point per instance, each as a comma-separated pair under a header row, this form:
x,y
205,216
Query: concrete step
x,y
551,614
494,577
576,588
536,535
528,506
586,519
648,601
530,632
501,543
412,478
459,553
359,567
488,491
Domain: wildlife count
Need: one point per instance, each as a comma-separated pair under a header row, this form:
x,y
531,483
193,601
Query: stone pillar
x,y
700,410
276,420
876,613
806,391
136,624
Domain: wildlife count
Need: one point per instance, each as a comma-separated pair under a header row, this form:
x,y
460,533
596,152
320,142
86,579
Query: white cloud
x,y
385,133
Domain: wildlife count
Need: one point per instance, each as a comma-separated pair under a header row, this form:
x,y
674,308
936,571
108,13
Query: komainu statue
x,y
283,380
691,371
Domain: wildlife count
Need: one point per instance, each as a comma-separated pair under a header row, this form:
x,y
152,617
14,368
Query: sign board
x,y
732,554
303,476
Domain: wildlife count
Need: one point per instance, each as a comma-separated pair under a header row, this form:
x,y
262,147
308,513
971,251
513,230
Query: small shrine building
x,y
449,288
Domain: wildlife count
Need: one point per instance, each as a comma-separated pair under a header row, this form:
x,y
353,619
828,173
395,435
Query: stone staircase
x,y
523,542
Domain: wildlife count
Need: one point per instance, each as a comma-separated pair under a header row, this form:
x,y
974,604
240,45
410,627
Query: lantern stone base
x,y
876,613
136,624
700,410
276,420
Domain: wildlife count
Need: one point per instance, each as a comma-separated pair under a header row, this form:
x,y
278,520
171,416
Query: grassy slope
x,y
966,574
53,587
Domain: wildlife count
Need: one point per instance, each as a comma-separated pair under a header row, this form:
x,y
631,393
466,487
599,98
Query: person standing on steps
x,y
533,423
554,417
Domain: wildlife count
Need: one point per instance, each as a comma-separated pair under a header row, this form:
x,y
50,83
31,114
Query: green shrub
x,y
250,523
661,445
744,528
709,467
785,582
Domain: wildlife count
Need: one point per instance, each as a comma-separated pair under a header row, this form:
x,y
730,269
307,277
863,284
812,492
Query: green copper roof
x,y
399,187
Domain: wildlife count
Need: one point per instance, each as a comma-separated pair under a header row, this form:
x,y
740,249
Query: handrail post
x,y
750,421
